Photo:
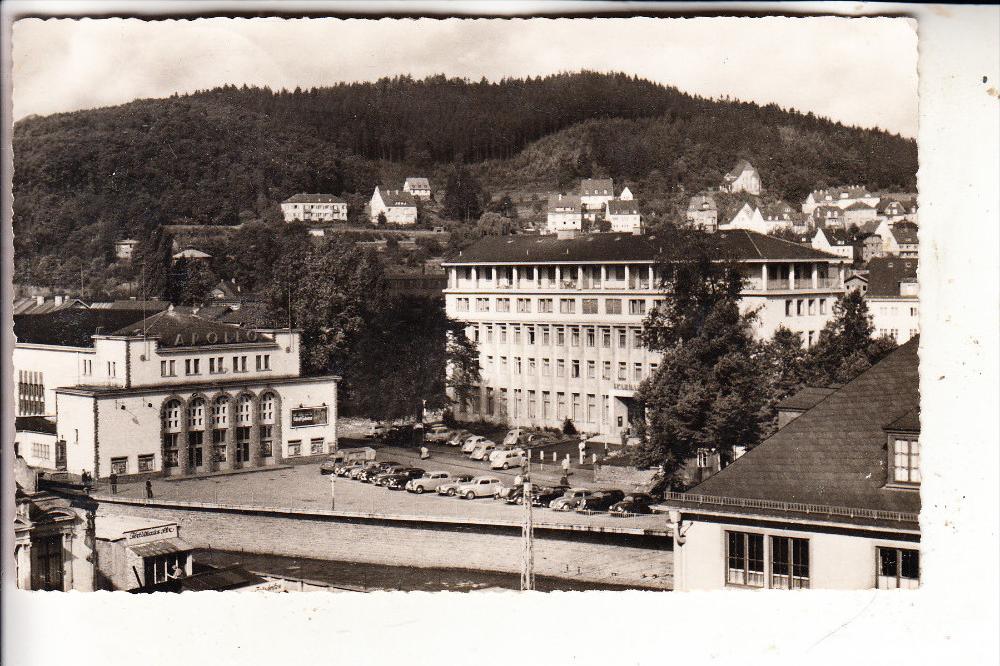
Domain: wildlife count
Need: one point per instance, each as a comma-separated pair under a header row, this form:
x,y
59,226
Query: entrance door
x,y
243,451
47,563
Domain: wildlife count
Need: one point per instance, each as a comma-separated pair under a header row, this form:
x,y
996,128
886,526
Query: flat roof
x,y
118,391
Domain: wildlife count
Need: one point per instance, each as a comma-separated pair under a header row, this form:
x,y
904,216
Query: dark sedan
x,y
632,504
542,495
399,480
369,475
600,501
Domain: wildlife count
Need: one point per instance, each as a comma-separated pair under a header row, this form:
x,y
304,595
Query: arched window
x,y
172,416
220,412
267,408
196,414
244,408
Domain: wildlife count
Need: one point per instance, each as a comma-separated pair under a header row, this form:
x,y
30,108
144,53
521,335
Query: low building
x,y
858,213
868,246
834,241
125,248
418,187
827,217
623,216
830,501
35,441
748,219
565,211
173,394
857,281
801,402
314,208
702,213
399,207
594,194
893,297
53,535
139,552
743,178
903,241
841,197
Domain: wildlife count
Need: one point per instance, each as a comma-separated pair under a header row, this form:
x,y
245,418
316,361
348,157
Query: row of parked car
x,y
511,452
396,476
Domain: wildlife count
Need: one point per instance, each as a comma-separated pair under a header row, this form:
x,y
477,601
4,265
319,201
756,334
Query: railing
x,y
567,284
804,283
795,507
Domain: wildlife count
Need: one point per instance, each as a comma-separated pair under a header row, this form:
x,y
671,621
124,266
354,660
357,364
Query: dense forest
x,y
225,156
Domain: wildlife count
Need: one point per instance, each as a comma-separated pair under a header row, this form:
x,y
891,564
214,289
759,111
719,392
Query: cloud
x,y
857,71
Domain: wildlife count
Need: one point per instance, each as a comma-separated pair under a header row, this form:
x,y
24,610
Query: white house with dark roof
x,y
125,248
833,241
746,218
399,207
170,394
830,501
893,296
623,216
742,178
418,187
314,208
564,212
841,197
702,213
558,321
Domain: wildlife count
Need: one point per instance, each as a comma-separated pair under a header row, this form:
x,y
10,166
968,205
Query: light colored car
x,y
571,499
451,486
481,486
428,482
536,439
376,430
438,434
469,445
512,437
500,450
483,450
508,459
458,437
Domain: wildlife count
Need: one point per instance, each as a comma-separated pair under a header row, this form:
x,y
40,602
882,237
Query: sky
x,y
858,71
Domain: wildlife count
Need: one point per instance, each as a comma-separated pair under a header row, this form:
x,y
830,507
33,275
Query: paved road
x,y
302,486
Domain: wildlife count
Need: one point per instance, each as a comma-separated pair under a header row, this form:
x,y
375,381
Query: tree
x,y
198,281
846,346
464,196
494,224
381,219
784,367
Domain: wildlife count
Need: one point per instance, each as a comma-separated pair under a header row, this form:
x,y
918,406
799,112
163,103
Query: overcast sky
x,y
858,71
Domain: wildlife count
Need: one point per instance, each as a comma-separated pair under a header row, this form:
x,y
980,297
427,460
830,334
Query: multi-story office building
x,y
893,297
559,320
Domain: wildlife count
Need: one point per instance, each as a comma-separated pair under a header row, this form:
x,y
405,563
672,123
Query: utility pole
x,y
527,534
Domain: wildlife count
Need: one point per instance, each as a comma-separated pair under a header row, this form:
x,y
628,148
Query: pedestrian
x,y
564,480
424,454
583,450
149,489
565,465
113,479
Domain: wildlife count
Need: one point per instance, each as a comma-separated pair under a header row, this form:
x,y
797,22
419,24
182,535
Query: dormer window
x,y
905,460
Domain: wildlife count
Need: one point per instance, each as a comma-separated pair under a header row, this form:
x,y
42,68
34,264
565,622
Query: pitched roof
x,y
835,453
860,205
740,167
702,202
250,315
806,398
35,424
566,201
313,198
886,273
147,306
835,193
905,235
597,187
188,330
780,211
885,204
398,198
71,327
743,244
418,183
870,227
616,207
32,306
228,291
191,253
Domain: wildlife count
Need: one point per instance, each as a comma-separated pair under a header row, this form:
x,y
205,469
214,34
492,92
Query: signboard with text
x,y
150,534
309,416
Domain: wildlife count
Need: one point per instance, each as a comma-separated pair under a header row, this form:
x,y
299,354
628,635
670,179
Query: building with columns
x,y
559,320
174,394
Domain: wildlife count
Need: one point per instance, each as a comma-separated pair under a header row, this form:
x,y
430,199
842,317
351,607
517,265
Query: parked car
x,y
451,487
405,434
458,437
382,477
601,501
533,439
543,495
508,459
509,494
480,486
470,443
399,480
633,503
483,450
345,468
437,434
571,499
345,457
370,473
376,431
429,482
358,472
513,436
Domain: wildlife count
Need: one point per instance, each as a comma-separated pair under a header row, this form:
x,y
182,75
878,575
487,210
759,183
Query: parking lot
x,y
302,486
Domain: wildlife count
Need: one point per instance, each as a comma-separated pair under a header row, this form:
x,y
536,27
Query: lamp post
x,y
527,534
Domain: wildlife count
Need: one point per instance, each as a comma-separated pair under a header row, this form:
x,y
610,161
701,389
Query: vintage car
x,y
451,487
480,486
437,434
633,503
571,499
429,481
399,480
601,501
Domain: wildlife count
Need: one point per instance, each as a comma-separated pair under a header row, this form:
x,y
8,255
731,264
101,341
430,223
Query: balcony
x,y
567,284
504,284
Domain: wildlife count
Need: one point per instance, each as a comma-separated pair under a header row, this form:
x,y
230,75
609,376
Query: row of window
x,y
545,334
894,332
893,310
216,365
529,367
30,393
196,448
220,408
518,403
804,306
784,564
612,306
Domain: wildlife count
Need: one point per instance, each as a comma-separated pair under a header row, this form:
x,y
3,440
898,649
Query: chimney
x,y
39,300
60,299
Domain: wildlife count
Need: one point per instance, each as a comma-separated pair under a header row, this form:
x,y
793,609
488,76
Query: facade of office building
x,y
559,321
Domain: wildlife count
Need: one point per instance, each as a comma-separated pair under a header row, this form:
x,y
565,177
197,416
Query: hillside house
x,y
781,215
841,197
742,178
702,213
834,241
420,188
314,208
891,210
626,195
893,297
594,194
827,217
867,246
904,241
858,213
565,211
190,254
623,216
746,218
398,206
125,248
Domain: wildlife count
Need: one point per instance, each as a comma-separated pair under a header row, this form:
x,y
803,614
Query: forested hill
x,y
86,178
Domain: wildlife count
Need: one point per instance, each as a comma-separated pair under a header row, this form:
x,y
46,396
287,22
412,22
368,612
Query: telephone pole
x,y
527,533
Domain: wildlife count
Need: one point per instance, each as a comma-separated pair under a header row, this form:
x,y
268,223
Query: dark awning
x,y
162,547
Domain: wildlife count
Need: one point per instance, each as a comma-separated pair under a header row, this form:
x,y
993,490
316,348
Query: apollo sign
x,y
215,338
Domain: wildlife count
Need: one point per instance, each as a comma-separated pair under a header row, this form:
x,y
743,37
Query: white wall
x,y
898,317
75,425
25,447
60,366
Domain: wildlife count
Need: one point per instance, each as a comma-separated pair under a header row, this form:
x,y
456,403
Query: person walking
x,y
149,489
113,480
424,453
583,450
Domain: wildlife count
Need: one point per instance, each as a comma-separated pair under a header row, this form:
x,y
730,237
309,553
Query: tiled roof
x,y
147,306
418,183
741,243
313,198
702,202
886,273
860,205
597,187
228,290
31,305
71,327
852,192
250,315
616,207
567,201
213,312
740,167
398,199
35,424
905,235
185,330
805,399
835,453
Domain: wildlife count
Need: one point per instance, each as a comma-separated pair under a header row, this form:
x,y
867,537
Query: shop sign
x,y
626,386
308,416
151,534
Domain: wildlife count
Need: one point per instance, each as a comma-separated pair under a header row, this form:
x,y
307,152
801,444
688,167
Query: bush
x,y
568,428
